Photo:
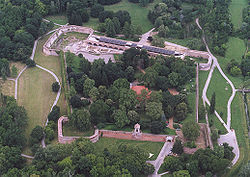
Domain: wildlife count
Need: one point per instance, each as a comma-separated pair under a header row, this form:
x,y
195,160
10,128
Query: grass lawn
x,y
7,87
236,8
112,144
217,124
34,90
53,64
239,125
92,23
138,14
59,19
223,92
69,130
35,94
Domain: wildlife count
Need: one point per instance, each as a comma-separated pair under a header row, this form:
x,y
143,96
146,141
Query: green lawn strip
x,y
69,130
139,15
112,144
236,7
52,63
240,127
202,80
35,94
218,85
92,23
59,19
236,49
182,42
192,104
217,124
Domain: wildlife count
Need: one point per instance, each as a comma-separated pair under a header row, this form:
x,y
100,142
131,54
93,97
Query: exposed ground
x,y
7,87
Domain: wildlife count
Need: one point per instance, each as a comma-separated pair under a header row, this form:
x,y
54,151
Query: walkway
x,y
230,137
44,69
167,147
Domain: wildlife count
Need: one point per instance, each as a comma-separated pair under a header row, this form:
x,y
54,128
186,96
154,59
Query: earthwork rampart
x,y
47,47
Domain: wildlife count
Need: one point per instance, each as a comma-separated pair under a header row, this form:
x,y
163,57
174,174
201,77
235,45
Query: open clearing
x,y
7,87
112,144
59,19
35,94
236,8
138,14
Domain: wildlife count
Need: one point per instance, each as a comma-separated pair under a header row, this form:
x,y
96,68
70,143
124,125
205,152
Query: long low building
x,y
118,42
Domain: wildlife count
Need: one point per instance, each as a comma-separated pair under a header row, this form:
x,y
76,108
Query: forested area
x,y
217,24
206,162
107,88
13,119
20,24
172,20
82,158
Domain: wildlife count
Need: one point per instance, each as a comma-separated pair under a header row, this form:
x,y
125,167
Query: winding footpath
x,y
46,70
230,137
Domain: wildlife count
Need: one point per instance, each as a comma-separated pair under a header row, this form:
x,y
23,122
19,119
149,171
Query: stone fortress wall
x,y
109,134
47,50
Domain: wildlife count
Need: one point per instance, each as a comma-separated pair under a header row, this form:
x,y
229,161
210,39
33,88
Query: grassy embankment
x,y
34,89
112,144
236,49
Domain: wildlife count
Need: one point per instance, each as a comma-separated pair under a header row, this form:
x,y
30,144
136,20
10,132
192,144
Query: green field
x,y
239,125
69,130
35,94
112,144
236,8
222,90
138,14
59,19
34,89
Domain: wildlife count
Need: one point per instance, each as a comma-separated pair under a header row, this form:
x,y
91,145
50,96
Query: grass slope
x,y
222,90
112,144
236,8
59,19
35,94
34,89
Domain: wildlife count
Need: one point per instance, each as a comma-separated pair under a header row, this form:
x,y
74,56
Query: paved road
x,y
27,156
160,159
144,37
230,137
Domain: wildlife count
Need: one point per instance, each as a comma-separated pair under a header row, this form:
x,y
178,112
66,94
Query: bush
x,y
156,127
76,101
190,144
55,87
30,63
85,102
54,114
178,147
36,135
176,126
101,125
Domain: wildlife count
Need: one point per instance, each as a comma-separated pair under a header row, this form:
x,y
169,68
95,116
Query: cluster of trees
x,y
13,120
118,23
237,69
203,162
107,86
20,24
81,158
171,20
243,32
217,24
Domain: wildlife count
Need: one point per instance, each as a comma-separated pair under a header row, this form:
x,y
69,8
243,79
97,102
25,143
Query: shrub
x,y
55,87
101,125
30,63
156,127
54,114
76,101
36,135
